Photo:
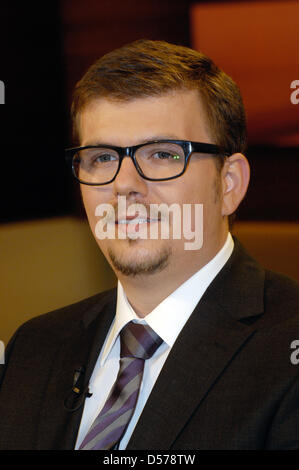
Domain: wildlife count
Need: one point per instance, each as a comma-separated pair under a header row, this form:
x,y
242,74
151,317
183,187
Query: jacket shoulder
x,y
67,317
280,315
281,292
41,336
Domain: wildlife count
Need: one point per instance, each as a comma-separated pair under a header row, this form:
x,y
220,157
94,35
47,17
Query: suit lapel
x,y
96,322
81,347
100,323
215,332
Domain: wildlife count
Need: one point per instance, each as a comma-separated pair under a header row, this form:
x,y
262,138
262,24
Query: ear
x,y
235,177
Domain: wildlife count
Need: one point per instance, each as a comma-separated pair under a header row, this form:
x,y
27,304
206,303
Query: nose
x,y
128,181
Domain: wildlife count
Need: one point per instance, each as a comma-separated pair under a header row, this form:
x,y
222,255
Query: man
x,y
159,124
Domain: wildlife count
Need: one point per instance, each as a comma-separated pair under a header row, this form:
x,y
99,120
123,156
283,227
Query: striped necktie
x,y
138,343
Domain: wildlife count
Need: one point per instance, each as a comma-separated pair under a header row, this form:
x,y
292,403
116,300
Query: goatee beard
x,y
140,267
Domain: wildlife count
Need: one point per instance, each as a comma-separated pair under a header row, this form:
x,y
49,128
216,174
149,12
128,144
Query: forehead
x,y
177,115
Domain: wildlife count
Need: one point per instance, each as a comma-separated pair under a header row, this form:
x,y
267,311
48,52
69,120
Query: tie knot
x,y
138,341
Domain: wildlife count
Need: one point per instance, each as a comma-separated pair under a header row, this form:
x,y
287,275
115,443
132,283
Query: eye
x,y
166,156
99,158
103,158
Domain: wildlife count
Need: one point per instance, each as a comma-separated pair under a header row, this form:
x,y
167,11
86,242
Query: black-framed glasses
x,y
159,160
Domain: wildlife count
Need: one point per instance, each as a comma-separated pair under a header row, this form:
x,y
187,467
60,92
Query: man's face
x,y
177,116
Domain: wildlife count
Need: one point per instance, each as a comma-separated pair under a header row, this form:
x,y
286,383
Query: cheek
x,y
196,189
92,197
90,201
203,189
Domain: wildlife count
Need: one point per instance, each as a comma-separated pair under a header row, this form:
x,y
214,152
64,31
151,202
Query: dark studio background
x,y
46,47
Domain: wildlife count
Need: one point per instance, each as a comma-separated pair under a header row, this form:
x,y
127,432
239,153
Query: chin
x,y
140,260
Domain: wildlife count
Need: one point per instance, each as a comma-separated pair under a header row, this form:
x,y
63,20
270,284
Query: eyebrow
x,y
143,141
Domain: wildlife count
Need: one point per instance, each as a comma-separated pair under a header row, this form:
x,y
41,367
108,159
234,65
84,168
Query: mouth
x,y
135,221
134,225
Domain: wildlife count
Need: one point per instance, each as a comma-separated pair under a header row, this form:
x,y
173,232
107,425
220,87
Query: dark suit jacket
x,y
228,382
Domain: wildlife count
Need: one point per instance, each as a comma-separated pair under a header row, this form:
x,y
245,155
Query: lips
x,y
134,220
135,226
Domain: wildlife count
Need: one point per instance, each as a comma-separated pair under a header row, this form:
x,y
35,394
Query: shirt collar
x,y
169,317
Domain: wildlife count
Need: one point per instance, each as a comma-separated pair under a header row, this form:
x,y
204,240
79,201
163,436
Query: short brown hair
x,y
147,68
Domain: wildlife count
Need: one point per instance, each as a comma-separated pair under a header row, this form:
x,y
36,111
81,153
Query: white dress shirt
x,y
167,320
